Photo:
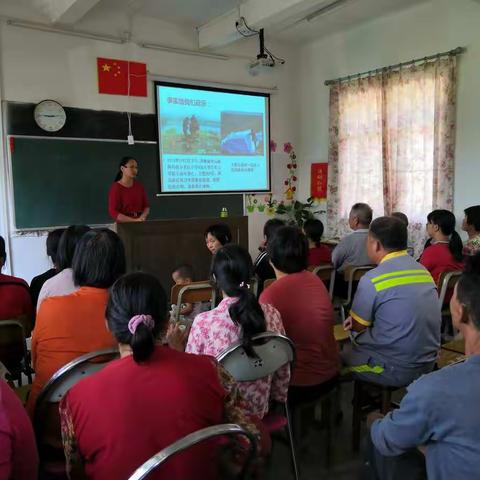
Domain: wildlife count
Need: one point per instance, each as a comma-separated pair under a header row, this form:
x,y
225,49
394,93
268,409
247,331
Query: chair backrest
x,y
192,293
229,429
447,282
46,417
13,346
326,273
272,352
268,282
354,274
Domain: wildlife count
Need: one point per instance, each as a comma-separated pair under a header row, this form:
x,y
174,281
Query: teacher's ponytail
x,y
232,271
123,163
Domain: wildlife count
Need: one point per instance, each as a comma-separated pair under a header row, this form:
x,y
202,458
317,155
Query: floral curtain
x,y
392,142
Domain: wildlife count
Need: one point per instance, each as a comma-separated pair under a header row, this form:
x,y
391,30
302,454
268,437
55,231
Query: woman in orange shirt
x,y
72,325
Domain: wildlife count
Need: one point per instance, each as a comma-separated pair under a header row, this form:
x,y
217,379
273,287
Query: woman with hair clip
x,y
239,316
127,200
445,251
152,396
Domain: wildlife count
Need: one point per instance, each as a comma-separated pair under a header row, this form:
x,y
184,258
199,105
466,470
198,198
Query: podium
x,y
159,246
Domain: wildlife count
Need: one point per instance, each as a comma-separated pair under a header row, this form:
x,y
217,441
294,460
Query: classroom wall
x,y
431,27
37,65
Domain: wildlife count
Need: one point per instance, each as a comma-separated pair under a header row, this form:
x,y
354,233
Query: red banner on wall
x,y
319,180
121,77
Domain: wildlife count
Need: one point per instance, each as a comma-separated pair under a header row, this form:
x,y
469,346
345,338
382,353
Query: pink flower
x,y
267,198
273,146
287,147
294,178
286,182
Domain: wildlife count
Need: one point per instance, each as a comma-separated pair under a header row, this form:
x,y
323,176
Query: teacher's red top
x,y
129,201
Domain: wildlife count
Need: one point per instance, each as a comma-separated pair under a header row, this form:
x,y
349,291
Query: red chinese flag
x,y
319,178
120,77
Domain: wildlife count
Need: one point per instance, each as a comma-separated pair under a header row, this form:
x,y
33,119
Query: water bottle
x,y
224,213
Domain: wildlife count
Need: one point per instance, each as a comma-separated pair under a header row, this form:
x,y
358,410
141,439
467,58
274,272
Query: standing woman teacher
x,y
127,200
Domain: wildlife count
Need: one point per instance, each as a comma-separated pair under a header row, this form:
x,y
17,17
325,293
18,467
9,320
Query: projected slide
x,y
212,140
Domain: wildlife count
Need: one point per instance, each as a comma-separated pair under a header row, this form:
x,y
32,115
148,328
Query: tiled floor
x,y
345,464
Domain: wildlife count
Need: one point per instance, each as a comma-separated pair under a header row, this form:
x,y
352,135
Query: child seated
x,y
318,254
183,275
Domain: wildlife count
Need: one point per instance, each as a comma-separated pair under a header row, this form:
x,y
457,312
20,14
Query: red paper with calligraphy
x,y
319,180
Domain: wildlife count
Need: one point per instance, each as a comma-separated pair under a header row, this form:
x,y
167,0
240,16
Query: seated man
x,y
352,249
440,412
395,312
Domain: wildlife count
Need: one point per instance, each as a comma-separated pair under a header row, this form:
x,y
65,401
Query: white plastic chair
x,y
272,351
228,429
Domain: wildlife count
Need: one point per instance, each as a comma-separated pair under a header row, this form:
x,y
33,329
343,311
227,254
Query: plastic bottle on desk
x,y
224,213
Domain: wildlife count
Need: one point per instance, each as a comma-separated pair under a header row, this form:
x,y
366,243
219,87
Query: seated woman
x,y
318,254
72,325
445,251
307,315
471,225
216,236
62,283
239,316
53,239
113,421
15,300
18,452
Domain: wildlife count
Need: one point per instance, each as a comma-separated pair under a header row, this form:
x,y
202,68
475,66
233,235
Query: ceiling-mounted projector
x,y
265,60
261,64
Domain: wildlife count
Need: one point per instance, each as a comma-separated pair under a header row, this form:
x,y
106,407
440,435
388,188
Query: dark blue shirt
x,y
442,412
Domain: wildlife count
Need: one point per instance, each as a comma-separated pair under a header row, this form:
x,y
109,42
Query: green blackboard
x,y
63,182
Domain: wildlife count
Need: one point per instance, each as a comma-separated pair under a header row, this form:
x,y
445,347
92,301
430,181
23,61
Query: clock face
x,y
50,116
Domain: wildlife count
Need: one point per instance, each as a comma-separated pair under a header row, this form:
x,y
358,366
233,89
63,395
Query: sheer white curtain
x,y
392,144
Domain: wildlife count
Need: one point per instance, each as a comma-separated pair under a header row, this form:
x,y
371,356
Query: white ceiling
x,y
184,12
198,12
351,14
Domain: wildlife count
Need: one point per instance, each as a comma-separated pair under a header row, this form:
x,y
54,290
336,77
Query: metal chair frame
x,y
253,368
58,385
229,429
192,287
447,282
26,368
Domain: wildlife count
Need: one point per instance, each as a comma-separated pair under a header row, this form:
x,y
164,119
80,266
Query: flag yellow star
x,y
106,67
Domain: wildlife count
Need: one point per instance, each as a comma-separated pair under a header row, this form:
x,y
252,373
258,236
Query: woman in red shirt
x,y
115,420
318,254
127,200
445,251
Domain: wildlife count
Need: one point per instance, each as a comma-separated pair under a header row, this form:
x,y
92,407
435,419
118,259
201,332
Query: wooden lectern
x,y
158,246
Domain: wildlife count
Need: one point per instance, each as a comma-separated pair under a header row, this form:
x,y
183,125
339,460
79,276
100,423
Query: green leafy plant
x,y
297,213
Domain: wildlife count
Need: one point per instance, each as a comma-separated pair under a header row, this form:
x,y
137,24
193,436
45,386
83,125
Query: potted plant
x,y
297,213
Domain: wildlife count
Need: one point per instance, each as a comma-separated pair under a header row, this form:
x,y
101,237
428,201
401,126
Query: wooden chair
x,y
13,351
326,273
192,293
217,431
354,274
272,351
268,282
46,418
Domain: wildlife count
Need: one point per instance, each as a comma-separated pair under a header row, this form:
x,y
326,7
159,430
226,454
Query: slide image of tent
x,y
242,133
